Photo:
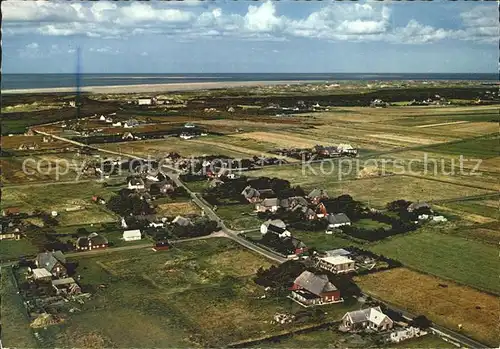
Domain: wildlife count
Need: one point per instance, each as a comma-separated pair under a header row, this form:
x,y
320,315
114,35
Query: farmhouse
x,y
336,264
370,318
337,220
317,195
132,235
276,226
309,289
407,333
307,212
53,262
135,184
128,135
294,245
91,242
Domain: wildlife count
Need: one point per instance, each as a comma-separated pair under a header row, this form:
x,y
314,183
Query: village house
x,y
131,123
337,252
336,220
66,286
91,242
9,233
53,262
251,194
117,124
309,289
275,226
297,246
371,318
307,212
336,264
135,184
407,333
317,195
182,221
268,205
102,118
132,235
414,206
127,136
167,187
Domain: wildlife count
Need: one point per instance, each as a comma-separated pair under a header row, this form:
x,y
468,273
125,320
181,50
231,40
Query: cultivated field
x,y
442,301
177,208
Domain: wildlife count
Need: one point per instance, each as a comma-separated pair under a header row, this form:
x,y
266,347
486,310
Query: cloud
x,y
333,22
32,46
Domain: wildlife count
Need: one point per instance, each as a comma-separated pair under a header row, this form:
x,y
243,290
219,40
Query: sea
x,y
31,81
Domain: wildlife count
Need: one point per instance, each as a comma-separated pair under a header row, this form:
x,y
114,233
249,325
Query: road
x,y
233,235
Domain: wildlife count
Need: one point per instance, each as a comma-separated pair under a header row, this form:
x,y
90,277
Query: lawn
x,y
170,295
442,301
10,249
370,224
174,209
446,256
197,186
239,217
15,325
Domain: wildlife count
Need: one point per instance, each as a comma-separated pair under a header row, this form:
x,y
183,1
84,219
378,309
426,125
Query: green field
x,y
322,241
10,249
370,224
475,148
465,261
239,217
15,325
170,295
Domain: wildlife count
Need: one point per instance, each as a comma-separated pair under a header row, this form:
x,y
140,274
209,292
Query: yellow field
x,y
449,306
177,208
282,140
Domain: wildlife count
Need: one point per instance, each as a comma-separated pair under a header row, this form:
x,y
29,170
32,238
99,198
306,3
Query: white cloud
x,y
335,22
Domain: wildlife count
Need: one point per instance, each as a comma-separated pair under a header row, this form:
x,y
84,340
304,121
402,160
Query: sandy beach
x,y
155,88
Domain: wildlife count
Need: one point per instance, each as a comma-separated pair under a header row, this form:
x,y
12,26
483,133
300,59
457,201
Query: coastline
x,y
156,88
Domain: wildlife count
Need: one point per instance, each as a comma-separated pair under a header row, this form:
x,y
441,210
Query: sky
x,y
250,36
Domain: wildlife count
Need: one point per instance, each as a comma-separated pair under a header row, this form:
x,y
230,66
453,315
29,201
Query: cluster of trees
x,y
127,203
401,208
398,227
279,277
345,204
392,263
200,227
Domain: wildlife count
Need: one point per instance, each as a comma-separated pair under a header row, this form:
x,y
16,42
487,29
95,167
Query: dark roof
x,y
93,238
338,218
317,193
416,205
275,229
316,284
250,192
48,260
136,181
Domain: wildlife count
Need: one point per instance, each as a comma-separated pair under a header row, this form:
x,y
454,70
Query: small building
x,y
167,187
251,194
132,235
128,136
182,221
275,226
418,205
268,205
145,101
407,333
66,286
310,289
189,125
297,247
11,211
9,233
91,242
53,262
370,318
102,118
317,195
337,264
135,184
439,219
161,245
41,274
337,220
117,124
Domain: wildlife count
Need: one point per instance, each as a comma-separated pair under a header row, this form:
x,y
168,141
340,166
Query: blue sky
x,y
244,36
